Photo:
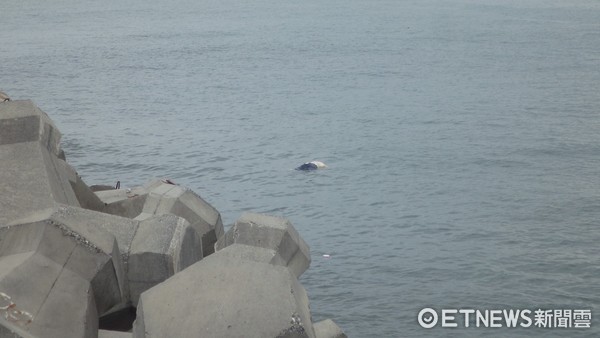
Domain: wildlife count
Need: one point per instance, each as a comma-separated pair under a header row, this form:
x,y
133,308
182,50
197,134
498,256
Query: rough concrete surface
x,y
273,233
166,198
113,334
62,274
158,197
224,297
22,121
32,174
163,245
122,202
70,255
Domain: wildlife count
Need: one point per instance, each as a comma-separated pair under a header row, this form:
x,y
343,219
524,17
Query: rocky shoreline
x,y
151,261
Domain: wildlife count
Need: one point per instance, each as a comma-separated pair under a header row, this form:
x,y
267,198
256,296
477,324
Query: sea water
x,y
462,137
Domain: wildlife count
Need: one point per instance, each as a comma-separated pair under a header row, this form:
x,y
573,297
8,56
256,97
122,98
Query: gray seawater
x,y
463,137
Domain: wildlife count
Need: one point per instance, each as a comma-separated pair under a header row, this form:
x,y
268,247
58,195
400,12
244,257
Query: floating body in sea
x,y
312,165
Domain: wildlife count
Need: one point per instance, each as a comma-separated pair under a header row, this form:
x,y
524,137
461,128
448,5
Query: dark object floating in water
x,y
312,165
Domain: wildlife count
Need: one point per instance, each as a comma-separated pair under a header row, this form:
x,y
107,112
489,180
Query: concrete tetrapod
x,y
33,176
23,122
163,245
123,202
158,197
222,296
272,233
85,196
59,273
151,250
81,255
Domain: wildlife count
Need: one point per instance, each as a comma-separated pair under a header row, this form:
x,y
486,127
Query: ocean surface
x,y
462,137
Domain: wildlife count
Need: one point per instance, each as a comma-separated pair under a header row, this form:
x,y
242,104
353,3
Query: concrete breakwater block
x,y
75,262
272,233
163,245
85,196
123,202
150,251
158,197
23,122
74,259
33,175
60,273
221,296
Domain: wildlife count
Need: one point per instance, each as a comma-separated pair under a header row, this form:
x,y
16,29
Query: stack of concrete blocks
x,y
69,256
63,261
57,275
160,197
60,273
249,288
